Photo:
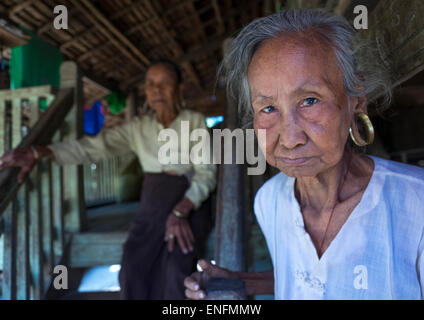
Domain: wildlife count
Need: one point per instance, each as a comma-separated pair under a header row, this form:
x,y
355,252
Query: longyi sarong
x,y
148,270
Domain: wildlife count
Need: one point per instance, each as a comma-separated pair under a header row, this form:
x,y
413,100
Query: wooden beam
x,y
196,18
341,7
128,9
162,16
106,28
221,25
187,66
203,48
89,53
77,38
115,31
22,5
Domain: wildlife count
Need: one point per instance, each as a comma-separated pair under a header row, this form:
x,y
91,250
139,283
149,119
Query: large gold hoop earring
x,y
367,127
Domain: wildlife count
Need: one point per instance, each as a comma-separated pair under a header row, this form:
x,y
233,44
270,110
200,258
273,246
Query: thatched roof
x,y
114,40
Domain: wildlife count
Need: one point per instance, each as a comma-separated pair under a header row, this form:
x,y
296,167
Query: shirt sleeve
x,y
420,265
204,177
108,143
264,212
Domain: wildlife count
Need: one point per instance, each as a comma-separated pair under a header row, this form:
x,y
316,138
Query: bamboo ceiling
x,y
114,40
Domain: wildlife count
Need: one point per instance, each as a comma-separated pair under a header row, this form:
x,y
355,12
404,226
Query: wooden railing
x,y
39,214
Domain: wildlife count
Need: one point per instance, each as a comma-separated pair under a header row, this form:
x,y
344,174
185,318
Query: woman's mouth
x,y
294,161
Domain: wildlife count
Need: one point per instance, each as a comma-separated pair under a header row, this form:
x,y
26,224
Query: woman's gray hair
x,y
362,73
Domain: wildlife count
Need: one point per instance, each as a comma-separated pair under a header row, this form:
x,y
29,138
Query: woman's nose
x,y
291,134
156,88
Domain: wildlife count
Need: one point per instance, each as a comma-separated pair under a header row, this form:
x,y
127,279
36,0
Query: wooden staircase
x,y
100,244
43,220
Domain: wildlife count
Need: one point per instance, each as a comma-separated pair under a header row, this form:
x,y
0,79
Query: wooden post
x,y
34,110
229,236
47,214
57,198
2,126
36,249
73,174
23,279
9,252
16,121
131,105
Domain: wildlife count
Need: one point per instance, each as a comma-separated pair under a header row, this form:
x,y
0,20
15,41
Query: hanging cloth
x,y
116,101
94,118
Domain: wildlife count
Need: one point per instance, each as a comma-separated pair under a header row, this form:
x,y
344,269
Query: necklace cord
x,y
332,210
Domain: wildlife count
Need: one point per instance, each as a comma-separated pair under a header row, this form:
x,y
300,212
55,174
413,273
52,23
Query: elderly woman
x,y
339,224
174,204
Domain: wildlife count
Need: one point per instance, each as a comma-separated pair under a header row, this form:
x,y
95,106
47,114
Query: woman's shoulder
x,y
401,172
275,184
400,186
188,114
268,196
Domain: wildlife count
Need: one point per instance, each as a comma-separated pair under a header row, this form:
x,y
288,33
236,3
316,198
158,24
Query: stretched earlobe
x,y
364,126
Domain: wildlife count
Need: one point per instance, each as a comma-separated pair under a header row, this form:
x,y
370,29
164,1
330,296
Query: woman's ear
x,y
360,105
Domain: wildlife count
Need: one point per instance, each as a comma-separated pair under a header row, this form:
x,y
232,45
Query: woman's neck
x,y
324,191
167,116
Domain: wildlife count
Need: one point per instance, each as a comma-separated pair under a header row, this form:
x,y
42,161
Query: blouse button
x,y
299,223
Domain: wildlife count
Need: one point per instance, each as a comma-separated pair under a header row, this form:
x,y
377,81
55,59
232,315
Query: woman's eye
x,y
268,109
309,102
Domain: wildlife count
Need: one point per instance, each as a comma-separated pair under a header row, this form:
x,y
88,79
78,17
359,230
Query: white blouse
x,y
377,254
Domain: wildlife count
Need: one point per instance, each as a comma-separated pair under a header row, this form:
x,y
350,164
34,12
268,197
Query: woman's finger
x,y
181,240
170,240
6,161
190,233
23,173
191,283
195,295
185,231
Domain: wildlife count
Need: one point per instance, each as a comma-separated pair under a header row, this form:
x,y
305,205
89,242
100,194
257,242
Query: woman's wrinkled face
x,y
162,89
298,97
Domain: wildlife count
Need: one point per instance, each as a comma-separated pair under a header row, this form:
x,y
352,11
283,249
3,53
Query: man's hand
x,y
198,280
19,157
179,228
184,206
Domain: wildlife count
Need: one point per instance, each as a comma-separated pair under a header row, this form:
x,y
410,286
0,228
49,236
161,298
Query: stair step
x,y
89,249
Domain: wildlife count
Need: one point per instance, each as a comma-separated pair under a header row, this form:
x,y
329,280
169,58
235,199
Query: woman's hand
x,y
198,280
179,228
19,157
